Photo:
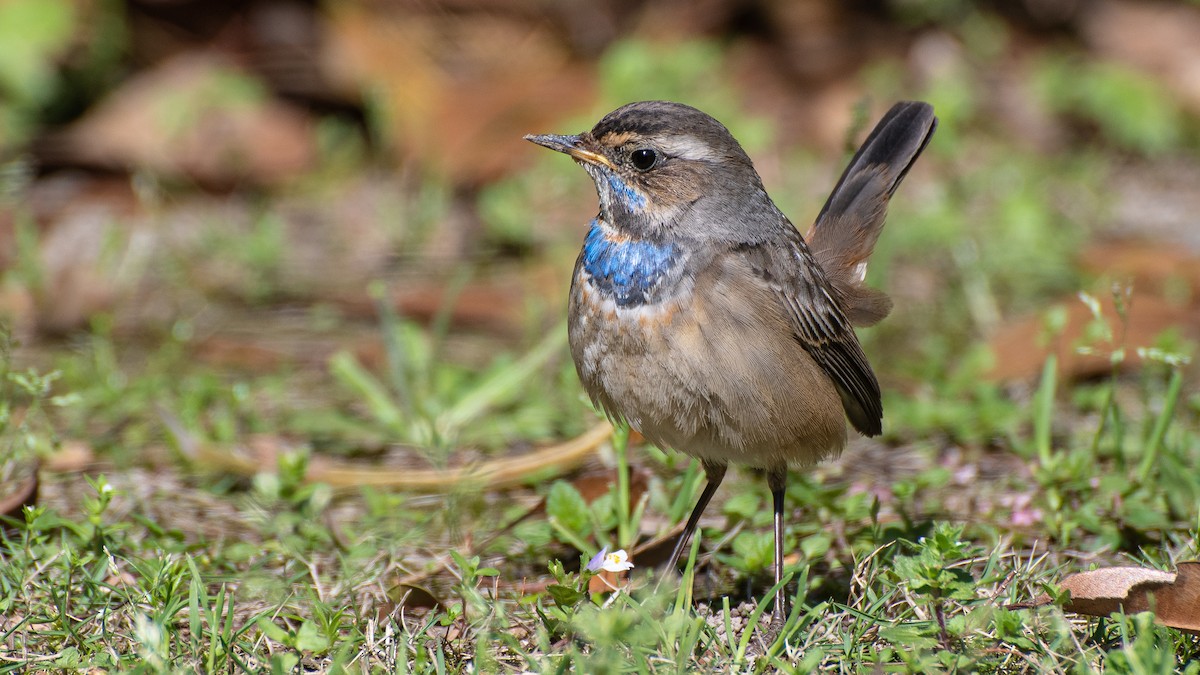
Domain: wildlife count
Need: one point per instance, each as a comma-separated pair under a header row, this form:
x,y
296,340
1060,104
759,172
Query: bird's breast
x,y
618,314
628,272
626,297
705,362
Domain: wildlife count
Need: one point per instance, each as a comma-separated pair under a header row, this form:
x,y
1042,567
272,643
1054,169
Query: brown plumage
x,y
700,315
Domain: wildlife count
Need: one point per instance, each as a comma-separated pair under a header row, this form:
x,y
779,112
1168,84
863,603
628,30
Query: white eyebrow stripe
x,y
689,147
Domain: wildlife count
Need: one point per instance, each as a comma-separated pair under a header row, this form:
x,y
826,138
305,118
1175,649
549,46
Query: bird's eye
x,y
643,159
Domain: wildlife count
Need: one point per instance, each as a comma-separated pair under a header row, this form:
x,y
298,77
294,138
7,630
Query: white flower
x,y
617,561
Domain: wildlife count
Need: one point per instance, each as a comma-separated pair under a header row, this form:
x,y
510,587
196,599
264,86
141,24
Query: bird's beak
x,y
571,145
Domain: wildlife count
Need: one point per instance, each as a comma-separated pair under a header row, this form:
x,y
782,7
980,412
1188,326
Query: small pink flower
x,y
1023,514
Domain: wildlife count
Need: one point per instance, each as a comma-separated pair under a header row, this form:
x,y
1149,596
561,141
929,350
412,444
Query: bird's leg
x,y
777,481
715,474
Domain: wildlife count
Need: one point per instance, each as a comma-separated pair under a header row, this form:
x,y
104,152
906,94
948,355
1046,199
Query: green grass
x,y
158,570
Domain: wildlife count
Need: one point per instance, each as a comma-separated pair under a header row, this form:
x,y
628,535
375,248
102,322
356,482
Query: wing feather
x,y
819,324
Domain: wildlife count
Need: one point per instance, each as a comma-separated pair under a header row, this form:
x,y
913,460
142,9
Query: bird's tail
x,y
846,230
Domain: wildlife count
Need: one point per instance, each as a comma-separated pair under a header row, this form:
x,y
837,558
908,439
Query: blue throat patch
x,y
625,270
627,195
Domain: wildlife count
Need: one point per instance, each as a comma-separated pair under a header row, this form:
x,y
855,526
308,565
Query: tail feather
x,y
847,228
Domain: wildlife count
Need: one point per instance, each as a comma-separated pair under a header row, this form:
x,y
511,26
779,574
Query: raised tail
x,y
845,232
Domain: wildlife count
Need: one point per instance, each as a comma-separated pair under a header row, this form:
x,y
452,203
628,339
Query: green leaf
x,y
754,551
347,370
274,632
566,505
745,505
284,663
565,596
32,32
907,567
309,639
909,636
816,545
501,385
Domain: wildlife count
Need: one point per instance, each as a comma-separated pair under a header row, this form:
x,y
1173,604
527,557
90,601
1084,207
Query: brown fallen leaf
x,y
196,115
22,492
595,484
1152,265
230,352
73,455
408,597
1165,279
459,88
1020,350
91,249
491,304
1174,598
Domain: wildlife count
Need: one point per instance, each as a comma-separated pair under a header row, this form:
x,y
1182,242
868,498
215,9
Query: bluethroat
x,y
699,314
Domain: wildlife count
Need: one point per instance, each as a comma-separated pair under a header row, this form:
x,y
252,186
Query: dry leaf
x,y
237,352
1020,351
1174,598
408,597
1163,277
492,304
1158,266
73,455
595,484
91,251
194,115
460,89
14,498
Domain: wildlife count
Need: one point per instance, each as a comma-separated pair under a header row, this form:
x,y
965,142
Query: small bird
x,y
700,316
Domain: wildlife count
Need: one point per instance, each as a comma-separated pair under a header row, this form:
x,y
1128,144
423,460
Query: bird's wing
x,y
819,325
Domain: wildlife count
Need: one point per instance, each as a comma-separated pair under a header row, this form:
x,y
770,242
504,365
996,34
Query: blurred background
x,y
317,224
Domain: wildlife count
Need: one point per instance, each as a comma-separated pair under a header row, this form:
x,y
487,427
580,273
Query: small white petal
x,y
617,561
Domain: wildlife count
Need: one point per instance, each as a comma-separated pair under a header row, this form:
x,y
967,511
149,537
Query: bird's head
x,y
655,160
